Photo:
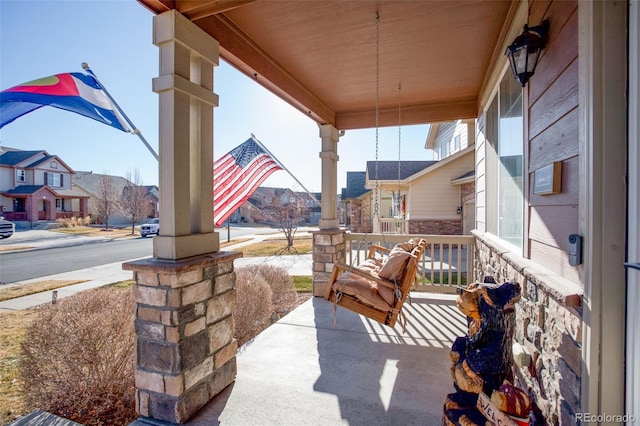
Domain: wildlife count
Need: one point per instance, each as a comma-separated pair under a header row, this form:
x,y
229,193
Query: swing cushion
x,y
391,268
363,289
396,263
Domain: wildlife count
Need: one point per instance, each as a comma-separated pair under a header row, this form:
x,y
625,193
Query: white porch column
x,y
185,88
329,155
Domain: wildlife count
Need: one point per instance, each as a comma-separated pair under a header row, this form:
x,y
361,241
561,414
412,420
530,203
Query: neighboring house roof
x,y
355,185
153,191
12,158
7,149
388,170
72,193
437,164
468,177
24,189
90,182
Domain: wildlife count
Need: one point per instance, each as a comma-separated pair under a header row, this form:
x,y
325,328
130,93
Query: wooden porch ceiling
x,y
320,56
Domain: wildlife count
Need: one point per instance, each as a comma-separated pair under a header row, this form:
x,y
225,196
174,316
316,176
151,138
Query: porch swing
x,y
378,287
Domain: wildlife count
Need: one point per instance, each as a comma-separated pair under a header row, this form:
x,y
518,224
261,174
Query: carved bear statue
x,y
481,361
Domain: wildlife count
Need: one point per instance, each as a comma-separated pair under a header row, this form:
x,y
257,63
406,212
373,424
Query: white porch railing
x,y
393,226
446,264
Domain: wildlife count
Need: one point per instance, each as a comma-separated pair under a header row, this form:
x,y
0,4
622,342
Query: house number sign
x,y
548,179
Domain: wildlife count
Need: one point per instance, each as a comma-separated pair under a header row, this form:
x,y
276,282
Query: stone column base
x,y
328,248
184,333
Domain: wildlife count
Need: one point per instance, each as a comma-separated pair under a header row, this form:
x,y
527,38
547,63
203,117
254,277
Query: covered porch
x,y
303,370
326,59
33,203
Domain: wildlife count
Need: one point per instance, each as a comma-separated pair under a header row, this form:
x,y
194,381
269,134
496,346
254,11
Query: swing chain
x,y
376,213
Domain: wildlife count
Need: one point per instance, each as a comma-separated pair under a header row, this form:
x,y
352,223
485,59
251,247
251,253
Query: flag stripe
x,y
238,186
237,175
75,92
241,186
221,193
230,208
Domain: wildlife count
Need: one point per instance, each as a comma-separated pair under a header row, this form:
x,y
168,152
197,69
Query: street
x,y
23,265
19,266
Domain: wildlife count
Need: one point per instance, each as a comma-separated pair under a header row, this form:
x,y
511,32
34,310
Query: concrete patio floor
x,y
303,371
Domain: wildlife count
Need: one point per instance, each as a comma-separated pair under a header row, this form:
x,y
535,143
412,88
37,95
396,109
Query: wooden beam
x,y
194,9
411,114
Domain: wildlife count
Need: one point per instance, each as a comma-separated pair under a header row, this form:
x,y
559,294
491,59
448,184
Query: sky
x,y
42,38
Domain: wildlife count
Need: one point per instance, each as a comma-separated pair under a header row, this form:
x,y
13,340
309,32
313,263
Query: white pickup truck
x,y
6,228
150,228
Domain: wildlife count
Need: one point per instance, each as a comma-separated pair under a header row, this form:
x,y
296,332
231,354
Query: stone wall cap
x,y
181,265
565,291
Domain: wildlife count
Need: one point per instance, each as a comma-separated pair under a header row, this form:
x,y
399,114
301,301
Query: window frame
x,y
493,161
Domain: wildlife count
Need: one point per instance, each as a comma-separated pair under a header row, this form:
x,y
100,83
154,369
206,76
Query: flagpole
x,y
136,131
283,167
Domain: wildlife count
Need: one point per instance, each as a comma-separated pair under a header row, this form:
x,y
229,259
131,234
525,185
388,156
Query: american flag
x,y
236,175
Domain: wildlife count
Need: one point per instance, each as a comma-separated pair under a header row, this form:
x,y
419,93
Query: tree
x,y
290,216
107,199
134,200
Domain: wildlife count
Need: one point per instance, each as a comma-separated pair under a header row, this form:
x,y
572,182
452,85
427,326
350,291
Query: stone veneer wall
x,y
435,227
548,326
184,326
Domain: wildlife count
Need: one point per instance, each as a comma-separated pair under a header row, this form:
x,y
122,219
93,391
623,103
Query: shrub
x,y
253,304
284,296
78,358
264,293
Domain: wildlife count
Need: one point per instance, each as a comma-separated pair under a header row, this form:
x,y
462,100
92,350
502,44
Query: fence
x,y
445,265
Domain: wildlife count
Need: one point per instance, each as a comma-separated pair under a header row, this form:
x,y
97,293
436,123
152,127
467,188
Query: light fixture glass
x,y
524,52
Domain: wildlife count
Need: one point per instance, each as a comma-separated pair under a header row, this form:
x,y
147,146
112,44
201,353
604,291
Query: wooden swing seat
x,y
378,287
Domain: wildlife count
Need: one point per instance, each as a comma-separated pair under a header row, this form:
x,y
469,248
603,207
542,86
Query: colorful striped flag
x,y
75,92
236,175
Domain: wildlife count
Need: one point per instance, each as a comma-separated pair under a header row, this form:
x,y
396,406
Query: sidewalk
x,y
99,276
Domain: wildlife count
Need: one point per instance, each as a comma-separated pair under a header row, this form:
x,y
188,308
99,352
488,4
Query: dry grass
x,y
89,231
35,287
12,332
273,246
14,248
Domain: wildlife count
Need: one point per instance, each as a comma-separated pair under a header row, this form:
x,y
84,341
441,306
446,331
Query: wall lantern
x,y
525,50
459,210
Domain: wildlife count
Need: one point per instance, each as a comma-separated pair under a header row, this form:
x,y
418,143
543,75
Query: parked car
x,y
150,228
6,228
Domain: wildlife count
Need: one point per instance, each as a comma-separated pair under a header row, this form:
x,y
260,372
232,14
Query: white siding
x,y
445,141
480,180
6,178
433,195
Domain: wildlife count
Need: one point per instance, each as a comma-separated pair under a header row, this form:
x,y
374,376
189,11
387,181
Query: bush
x,y
71,222
78,358
285,297
253,305
264,293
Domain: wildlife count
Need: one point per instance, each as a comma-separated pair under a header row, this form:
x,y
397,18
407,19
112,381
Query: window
x,y
456,143
54,179
54,165
504,133
21,175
